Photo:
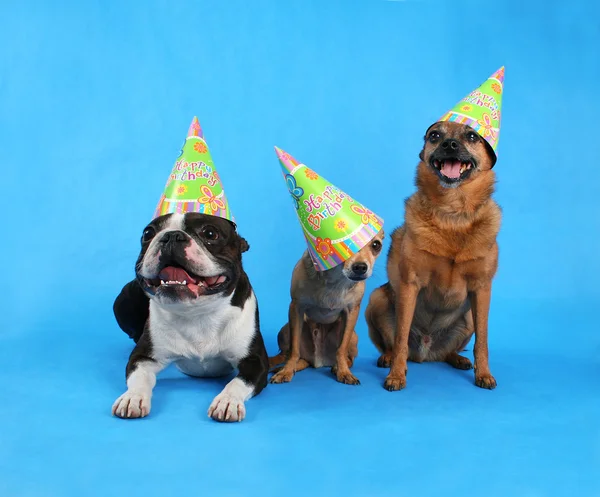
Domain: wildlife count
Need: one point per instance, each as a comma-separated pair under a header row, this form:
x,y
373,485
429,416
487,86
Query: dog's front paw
x,y
227,408
393,383
132,405
485,381
283,376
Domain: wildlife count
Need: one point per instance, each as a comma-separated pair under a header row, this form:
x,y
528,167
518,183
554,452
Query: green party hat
x,y
481,109
194,185
335,225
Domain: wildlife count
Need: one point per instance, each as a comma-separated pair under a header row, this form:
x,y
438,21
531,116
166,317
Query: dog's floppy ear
x,y
244,246
491,153
422,152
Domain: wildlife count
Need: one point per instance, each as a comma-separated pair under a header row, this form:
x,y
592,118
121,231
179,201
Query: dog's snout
x,y
173,236
450,145
360,268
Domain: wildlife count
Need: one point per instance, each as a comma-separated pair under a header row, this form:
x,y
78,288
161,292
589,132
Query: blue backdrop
x,y
95,100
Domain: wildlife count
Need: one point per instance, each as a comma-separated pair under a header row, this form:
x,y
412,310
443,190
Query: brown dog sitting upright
x,y
344,239
323,314
442,260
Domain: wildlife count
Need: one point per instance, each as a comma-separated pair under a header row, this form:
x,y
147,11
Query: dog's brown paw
x,y
485,381
384,361
393,383
282,376
459,362
345,377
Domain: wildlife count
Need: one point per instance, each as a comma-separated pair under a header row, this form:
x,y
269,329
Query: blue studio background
x,y
95,100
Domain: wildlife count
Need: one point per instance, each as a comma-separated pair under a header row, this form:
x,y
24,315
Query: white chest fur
x,y
209,334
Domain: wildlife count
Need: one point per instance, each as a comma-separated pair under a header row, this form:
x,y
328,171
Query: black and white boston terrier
x,y
191,304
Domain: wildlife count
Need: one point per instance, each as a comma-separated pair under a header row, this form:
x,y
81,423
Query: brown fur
x,y
322,317
440,269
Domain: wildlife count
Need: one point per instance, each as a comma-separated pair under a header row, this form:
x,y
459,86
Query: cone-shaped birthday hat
x,y
335,225
194,185
481,109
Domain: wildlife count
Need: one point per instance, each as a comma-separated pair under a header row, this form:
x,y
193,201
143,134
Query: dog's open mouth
x,y
177,278
453,169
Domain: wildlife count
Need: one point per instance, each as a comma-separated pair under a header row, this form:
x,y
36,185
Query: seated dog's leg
x,y
381,318
341,369
480,301
406,300
251,379
296,321
141,373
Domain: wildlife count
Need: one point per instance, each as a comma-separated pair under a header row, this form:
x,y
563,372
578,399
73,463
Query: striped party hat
x,y
335,225
481,109
194,185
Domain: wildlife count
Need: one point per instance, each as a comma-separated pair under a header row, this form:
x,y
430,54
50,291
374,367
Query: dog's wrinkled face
x,y
456,153
360,266
188,256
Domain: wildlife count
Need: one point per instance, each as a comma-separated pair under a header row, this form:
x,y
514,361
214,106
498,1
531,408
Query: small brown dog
x,y
442,261
323,314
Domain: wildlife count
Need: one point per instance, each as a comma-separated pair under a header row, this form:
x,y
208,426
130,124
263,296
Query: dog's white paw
x,y
132,405
227,408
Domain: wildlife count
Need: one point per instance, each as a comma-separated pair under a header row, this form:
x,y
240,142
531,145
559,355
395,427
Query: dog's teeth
x,y
184,282
162,282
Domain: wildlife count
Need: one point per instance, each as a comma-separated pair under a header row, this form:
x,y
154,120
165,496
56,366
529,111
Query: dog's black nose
x,y
173,236
450,144
360,268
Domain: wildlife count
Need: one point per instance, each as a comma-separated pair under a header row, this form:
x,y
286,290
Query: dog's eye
x,y
210,233
376,245
148,234
434,136
472,137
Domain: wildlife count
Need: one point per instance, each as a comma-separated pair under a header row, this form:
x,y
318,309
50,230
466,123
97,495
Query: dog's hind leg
x,y
276,361
380,322
458,361
296,322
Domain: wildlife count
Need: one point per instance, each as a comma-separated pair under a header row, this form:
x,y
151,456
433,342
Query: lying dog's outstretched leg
x,y
141,374
341,370
406,300
295,320
252,378
480,300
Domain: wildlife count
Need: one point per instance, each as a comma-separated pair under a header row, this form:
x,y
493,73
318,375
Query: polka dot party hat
x,y
335,225
481,109
194,185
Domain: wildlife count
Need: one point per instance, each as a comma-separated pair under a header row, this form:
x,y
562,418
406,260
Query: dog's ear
x,y
491,153
422,152
244,246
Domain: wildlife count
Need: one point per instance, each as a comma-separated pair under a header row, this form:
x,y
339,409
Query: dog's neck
x,y
190,310
333,279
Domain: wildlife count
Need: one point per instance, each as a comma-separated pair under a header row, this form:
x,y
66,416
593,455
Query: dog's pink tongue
x,y
451,169
214,280
171,273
